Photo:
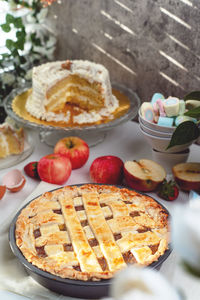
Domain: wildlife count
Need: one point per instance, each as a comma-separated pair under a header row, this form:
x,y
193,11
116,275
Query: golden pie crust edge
x,y
154,209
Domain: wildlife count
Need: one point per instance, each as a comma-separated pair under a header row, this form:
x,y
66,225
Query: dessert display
x,y
187,175
11,140
167,112
90,232
75,91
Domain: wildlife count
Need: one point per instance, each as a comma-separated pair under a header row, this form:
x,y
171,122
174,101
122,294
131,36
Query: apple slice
x,y
143,175
187,176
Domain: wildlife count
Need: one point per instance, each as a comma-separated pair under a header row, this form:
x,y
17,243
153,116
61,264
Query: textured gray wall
x,y
148,45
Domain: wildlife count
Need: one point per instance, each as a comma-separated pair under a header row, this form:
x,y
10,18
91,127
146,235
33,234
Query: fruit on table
x,y
31,169
14,180
107,169
187,176
74,148
2,191
168,190
143,175
54,168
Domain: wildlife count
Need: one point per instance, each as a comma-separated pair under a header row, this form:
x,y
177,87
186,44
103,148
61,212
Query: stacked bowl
x,y
158,137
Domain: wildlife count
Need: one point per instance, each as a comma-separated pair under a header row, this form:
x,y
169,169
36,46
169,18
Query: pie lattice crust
x,y
90,232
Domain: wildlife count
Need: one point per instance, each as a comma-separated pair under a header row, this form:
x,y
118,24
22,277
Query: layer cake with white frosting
x,y
62,87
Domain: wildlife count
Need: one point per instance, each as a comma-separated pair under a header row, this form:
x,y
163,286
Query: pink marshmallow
x,y
160,105
156,112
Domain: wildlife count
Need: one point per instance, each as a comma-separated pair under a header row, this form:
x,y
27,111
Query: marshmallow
x,y
155,97
190,104
181,119
160,105
181,107
165,121
171,106
156,112
147,111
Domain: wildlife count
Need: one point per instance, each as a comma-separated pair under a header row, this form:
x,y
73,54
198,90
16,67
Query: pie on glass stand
x,y
89,232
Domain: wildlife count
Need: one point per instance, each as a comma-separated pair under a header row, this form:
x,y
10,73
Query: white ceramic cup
x,y
168,160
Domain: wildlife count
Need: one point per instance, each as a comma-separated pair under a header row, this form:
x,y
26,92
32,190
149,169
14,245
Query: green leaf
x,y
6,27
9,44
184,133
20,44
194,113
18,23
9,18
20,34
190,269
5,55
193,96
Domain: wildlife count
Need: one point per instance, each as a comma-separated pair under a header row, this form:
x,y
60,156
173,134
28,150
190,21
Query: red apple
x,y
187,176
54,168
107,169
75,149
143,175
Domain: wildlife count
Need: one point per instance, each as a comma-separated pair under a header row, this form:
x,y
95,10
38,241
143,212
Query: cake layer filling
x,y
75,90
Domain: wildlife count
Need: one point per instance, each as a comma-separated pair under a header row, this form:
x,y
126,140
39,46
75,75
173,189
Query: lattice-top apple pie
x,y
90,232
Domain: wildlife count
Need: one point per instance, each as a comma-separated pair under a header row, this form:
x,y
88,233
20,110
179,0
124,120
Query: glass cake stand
x,y
92,134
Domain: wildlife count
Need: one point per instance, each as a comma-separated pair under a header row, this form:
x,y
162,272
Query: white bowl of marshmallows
x,y
158,120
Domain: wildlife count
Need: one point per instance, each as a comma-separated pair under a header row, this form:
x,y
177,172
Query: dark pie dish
x,y
70,287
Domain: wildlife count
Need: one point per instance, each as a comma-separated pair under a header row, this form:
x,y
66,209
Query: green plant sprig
x,y
187,131
15,62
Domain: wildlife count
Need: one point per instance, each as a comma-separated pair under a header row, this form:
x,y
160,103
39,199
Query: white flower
x,y
135,283
8,78
186,232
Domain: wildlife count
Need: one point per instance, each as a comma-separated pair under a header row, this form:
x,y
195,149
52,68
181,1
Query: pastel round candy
x,y
165,121
181,119
156,96
147,111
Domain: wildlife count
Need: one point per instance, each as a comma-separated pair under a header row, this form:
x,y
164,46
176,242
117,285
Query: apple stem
x,y
70,144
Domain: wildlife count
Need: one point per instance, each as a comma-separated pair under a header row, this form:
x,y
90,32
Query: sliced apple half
x,y
143,175
187,176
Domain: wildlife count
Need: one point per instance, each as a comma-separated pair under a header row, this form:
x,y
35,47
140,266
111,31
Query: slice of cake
x,y
11,140
60,87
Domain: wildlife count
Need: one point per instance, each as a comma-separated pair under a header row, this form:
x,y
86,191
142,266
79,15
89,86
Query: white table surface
x,y
125,141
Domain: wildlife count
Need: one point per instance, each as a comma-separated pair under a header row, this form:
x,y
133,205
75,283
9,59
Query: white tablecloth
x,y
126,142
